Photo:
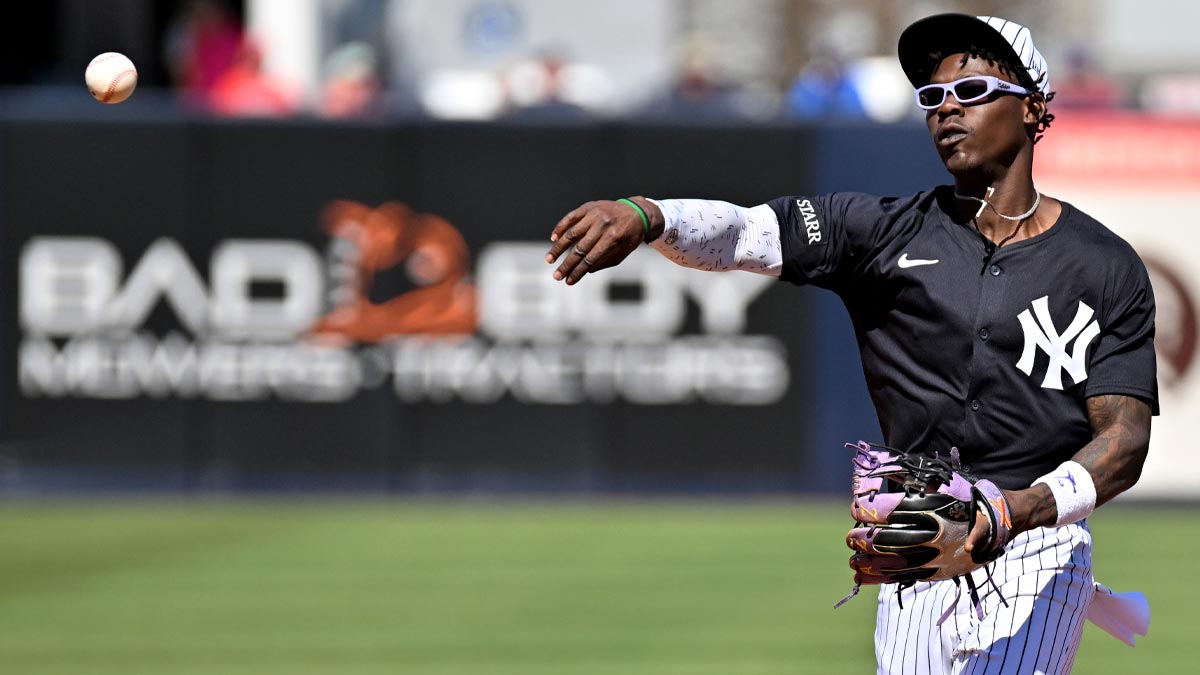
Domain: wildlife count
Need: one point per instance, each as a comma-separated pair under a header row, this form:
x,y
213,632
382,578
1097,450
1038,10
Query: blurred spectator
x,y
246,90
352,87
201,42
825,89
1083,85
698,91
541,89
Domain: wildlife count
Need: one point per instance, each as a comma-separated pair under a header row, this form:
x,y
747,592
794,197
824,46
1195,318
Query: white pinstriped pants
x,y
1046,578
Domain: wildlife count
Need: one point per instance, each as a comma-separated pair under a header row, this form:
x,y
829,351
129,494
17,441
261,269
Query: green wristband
x,y
642,213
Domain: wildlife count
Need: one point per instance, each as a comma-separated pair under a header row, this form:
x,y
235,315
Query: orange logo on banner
x,y
430,253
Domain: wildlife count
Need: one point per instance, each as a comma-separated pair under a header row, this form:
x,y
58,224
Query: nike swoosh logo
x,y
905,262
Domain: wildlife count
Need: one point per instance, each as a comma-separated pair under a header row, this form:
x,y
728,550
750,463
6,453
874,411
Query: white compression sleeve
x,y
719,236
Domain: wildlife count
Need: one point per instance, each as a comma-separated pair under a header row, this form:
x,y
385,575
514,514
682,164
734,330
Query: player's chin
x,y
959,163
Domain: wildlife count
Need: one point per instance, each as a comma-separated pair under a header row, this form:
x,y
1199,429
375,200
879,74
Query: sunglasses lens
x,y
931,96
968,90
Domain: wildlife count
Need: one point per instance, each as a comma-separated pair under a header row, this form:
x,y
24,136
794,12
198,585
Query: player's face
x,y
984,135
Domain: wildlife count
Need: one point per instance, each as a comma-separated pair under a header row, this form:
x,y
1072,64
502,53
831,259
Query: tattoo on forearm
x,y
1120,439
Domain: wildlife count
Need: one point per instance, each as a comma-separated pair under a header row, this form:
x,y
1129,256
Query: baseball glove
x,y
913,514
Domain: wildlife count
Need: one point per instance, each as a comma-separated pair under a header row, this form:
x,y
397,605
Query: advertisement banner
x,y
1140,176
278,306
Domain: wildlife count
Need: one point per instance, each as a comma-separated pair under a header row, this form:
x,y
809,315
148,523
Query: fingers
x,y
565,233
582,257
564,241
568,220
575,237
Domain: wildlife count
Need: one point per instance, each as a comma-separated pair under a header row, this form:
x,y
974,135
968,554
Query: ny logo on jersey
x,y
1041,334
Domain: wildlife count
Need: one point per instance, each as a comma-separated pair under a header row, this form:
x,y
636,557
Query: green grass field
x,y
659,588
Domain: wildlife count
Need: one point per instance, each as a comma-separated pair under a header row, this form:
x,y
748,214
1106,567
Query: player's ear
x,y
1035,108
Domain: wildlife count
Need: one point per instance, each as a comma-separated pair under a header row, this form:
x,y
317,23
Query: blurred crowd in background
x,y
552,60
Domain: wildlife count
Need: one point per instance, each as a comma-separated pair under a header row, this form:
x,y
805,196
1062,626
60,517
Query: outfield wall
x,y
209,305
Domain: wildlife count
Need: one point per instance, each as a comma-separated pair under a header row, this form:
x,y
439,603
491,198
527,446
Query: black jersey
x,y
995,355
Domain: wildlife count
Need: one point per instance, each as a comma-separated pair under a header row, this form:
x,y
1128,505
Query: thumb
x,y
979,532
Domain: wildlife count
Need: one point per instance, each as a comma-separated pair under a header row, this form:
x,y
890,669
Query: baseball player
x,y
991,319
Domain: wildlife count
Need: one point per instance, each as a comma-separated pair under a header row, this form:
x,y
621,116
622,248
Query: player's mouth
x,y
950,134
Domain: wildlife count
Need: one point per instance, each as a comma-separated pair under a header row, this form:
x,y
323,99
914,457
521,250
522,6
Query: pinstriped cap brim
x,y
953,33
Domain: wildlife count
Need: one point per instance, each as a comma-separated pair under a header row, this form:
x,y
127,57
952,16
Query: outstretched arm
x,y
1113,459
697,233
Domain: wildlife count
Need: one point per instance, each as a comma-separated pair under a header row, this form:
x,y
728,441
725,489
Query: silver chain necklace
x,y
990,248
986,202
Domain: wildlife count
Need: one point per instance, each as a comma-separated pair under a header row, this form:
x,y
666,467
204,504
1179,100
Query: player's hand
x,y
978,535
594,236
1021,506
1030,508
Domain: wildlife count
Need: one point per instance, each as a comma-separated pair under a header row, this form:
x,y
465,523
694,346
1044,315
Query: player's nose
x,y
950,105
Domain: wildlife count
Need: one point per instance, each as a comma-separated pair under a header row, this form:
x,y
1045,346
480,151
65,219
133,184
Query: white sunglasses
x,y
966,90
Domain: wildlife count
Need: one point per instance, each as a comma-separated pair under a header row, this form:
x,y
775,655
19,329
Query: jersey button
x,y
995,270
975,405
984,334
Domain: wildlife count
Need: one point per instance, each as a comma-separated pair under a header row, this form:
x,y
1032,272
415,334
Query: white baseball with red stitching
x,y
111,77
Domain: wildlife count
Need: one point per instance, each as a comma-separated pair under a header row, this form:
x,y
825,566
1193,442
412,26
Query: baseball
x,y
111,77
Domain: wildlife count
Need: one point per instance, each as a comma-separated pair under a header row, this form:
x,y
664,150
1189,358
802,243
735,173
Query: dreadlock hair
x,y
1008,67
